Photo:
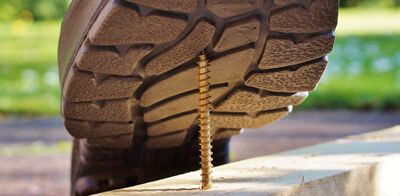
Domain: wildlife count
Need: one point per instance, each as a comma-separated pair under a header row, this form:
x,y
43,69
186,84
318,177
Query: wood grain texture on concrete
x,y
367,165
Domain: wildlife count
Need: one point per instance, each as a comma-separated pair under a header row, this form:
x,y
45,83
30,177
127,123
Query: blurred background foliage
x,y
364,69
29,10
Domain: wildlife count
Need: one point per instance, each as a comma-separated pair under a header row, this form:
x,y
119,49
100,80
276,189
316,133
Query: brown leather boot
x,y
129,78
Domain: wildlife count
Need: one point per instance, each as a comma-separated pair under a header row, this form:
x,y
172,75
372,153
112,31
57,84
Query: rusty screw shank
x,y
204,122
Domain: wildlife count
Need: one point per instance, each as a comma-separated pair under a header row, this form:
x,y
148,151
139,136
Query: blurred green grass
x,y
28,69
364,73
364,70
36,148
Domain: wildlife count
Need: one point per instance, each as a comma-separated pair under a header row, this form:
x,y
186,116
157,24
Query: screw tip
x,y
206,186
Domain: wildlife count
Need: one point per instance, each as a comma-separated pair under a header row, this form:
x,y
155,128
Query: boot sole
x,y
132,85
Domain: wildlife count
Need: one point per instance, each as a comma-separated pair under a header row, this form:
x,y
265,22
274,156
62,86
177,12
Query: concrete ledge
x,y
367,165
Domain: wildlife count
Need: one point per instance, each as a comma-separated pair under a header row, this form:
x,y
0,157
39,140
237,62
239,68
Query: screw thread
x,y
204,122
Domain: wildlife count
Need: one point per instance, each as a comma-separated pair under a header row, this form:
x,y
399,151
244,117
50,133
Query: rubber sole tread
x,y
133,83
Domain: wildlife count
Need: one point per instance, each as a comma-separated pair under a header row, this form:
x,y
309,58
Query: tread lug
x,y
320,16
303,79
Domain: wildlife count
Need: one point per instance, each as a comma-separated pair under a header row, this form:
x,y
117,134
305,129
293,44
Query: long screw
x,y
204,122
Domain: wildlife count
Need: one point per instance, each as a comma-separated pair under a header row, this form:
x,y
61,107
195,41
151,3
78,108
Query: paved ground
x,y
33,161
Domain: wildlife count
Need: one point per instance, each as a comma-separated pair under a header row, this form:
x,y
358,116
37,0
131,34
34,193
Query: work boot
x,y
129,76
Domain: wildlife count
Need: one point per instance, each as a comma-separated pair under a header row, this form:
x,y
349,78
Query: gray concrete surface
x,y
24,171
365,165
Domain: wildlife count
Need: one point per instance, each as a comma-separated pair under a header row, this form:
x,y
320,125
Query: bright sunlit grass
x,y
364,71
357,21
